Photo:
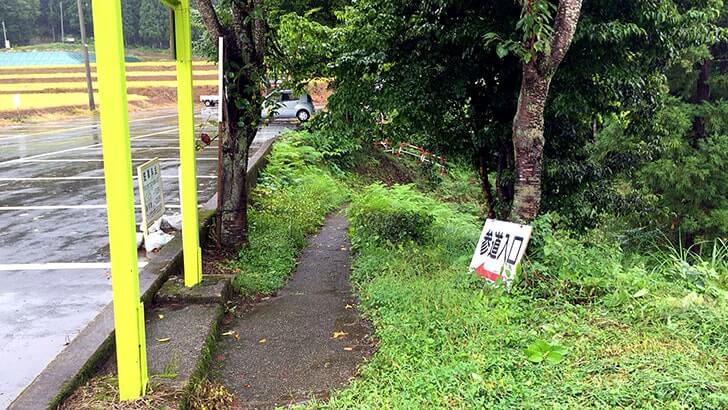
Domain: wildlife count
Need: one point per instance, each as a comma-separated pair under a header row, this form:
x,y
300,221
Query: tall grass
x,y
627,336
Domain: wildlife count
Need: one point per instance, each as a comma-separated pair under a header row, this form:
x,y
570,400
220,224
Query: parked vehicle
x,y
286,104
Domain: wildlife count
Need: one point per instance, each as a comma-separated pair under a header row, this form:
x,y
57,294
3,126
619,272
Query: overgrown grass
x,y
627,334
292,197
587,325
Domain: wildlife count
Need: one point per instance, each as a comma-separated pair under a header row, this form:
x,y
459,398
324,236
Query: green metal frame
x,y
111,72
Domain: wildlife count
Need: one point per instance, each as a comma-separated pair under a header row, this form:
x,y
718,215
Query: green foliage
x,y
393,216
153,23
541,350
562,265
692,185
338,149
588,325
446,74
19,17
703,274
293,196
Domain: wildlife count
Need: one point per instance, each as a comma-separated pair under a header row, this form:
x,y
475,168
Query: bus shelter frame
x,y
119,184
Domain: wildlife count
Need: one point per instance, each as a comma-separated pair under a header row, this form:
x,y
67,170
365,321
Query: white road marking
x,y
87,178
59,266
13,161
3,138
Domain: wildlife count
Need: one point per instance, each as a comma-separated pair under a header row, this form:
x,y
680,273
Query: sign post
x,y
131,355
151,194
499,252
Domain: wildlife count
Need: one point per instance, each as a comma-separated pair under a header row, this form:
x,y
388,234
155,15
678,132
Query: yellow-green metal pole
x,y
128,311
188,177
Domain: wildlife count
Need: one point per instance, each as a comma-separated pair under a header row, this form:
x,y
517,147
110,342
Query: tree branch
x,y
259,25
567,17
209,17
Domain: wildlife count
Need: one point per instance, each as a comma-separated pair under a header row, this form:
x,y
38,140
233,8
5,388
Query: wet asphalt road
x,y
53,230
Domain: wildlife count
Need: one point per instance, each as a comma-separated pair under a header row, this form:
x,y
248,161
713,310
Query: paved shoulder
x,y
304,342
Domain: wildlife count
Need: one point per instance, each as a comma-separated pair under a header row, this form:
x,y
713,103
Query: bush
x,y
381,215
562,265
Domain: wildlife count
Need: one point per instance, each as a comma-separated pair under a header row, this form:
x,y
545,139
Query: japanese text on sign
x,y
500,250
150,193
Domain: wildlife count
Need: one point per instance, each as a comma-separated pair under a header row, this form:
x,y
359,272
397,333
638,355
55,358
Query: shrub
x,y
396,215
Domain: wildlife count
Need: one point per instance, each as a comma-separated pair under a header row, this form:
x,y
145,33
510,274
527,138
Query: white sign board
x,y
212,105
220,75
500,250
150,193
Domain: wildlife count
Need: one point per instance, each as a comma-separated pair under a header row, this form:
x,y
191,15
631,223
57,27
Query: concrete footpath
x,y
306,341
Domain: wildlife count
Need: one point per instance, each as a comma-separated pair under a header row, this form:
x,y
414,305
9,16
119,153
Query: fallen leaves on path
x,y
232,333
339,334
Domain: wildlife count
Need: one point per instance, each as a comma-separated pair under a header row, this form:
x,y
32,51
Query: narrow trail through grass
x,y
303,342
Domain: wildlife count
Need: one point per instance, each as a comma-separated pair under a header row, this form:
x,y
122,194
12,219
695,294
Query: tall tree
x,y
545,47
446,74
19,17
153,23
242,23
130,19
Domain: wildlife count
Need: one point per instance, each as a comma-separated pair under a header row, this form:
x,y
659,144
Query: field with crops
x,y
61,90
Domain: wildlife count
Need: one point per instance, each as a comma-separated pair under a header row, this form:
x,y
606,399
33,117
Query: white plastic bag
x,y
174,221
155,240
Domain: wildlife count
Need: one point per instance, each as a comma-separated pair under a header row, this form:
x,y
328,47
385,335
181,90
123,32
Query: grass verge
x,y
293,195
588,326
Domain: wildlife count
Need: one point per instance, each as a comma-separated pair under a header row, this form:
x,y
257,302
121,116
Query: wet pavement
x,y
304,342
53,239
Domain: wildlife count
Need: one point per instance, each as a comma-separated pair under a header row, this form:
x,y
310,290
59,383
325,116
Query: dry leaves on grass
x,y
102,393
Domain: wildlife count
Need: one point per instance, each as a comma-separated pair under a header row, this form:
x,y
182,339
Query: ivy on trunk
x,y
543,50
245,33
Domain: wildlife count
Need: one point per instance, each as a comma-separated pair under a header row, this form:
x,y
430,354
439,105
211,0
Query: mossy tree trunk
x,y
245,44
528,124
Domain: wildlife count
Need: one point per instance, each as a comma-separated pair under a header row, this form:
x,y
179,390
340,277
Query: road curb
x,y
75,364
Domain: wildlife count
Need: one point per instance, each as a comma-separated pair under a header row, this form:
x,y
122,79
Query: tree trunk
x,y
485,182
702,94
504,180
235,146
528,124
528,142
234,191
245,44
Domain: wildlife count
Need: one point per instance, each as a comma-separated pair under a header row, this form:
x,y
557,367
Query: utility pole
x,y
89,84
50,14
5,36
63,35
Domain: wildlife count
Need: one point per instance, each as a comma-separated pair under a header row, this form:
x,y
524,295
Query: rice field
x,y
57,89
82,76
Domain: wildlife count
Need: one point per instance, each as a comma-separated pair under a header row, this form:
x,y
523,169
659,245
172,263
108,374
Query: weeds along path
x,y
306,341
